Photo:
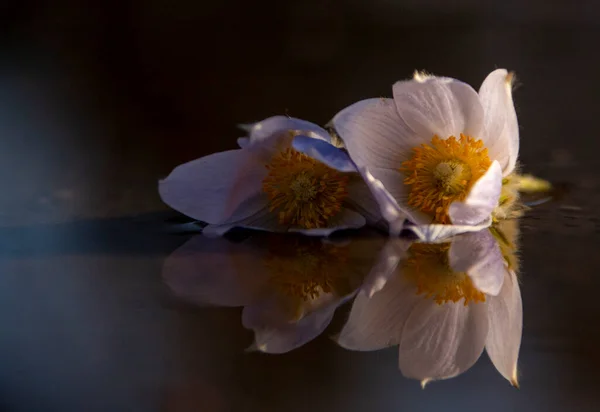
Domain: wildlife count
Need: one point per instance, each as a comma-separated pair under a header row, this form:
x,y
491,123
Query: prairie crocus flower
x,y
267,184
437,152
289,286
442,304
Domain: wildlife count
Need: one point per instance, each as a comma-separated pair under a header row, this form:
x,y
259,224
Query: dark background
x,y
98,100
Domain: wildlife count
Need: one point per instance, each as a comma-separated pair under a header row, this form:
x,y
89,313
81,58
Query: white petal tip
x,y
514,381
424,382
256,348
247,127
510,79
421,76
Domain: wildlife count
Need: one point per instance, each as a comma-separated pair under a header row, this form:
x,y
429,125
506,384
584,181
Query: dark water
x,y
98,103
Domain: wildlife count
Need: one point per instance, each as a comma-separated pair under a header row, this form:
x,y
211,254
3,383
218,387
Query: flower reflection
x,y
289,286
442,304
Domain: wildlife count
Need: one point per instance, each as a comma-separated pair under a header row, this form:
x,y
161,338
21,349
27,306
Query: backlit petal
x,y
283,338
214,187
362,200
324,152
506,326
380,310
501,130
478,254
345,219
438,232
439,106
442,341
206,272
374,134
267,129
388,206
481,200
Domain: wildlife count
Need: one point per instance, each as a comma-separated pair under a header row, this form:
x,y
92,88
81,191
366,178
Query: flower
x,y
442,304
438,152
268,184
289,286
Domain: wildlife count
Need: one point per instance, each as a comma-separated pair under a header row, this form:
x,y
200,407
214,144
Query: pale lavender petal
x,y
376,323
385,266
261,220
345,219
439,106
393,182
362,200
481,200
478,254
501,129
442,341
388,206
214,187
374,134
506,326
207,272
271,127
381,308
243,142
438,232
325,153
282,338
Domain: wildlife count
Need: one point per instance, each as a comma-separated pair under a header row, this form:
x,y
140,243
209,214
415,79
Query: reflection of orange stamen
x,y
305,192
428,268
443,172
307,268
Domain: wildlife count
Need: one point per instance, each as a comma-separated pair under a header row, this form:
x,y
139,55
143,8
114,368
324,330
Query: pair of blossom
x,y
440,303
438,157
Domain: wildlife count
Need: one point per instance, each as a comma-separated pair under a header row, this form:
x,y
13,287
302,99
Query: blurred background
x,y
100,99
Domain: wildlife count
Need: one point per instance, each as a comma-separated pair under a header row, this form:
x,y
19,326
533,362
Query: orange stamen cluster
x,y
305,192
443,172
427,267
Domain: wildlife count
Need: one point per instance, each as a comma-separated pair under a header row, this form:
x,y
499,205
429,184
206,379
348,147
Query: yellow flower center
x,y
305,268
305,192
427,267
443,172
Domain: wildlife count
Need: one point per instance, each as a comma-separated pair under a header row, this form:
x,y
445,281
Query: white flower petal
x,y
272,127
324,152
388,188
377,317
478,254
215,187
345,219
263,219
501,130
481,200
439,106
283,338
385,266
437,232
206,272
388,206
442,341
243,142
506,326
374,134
362,200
